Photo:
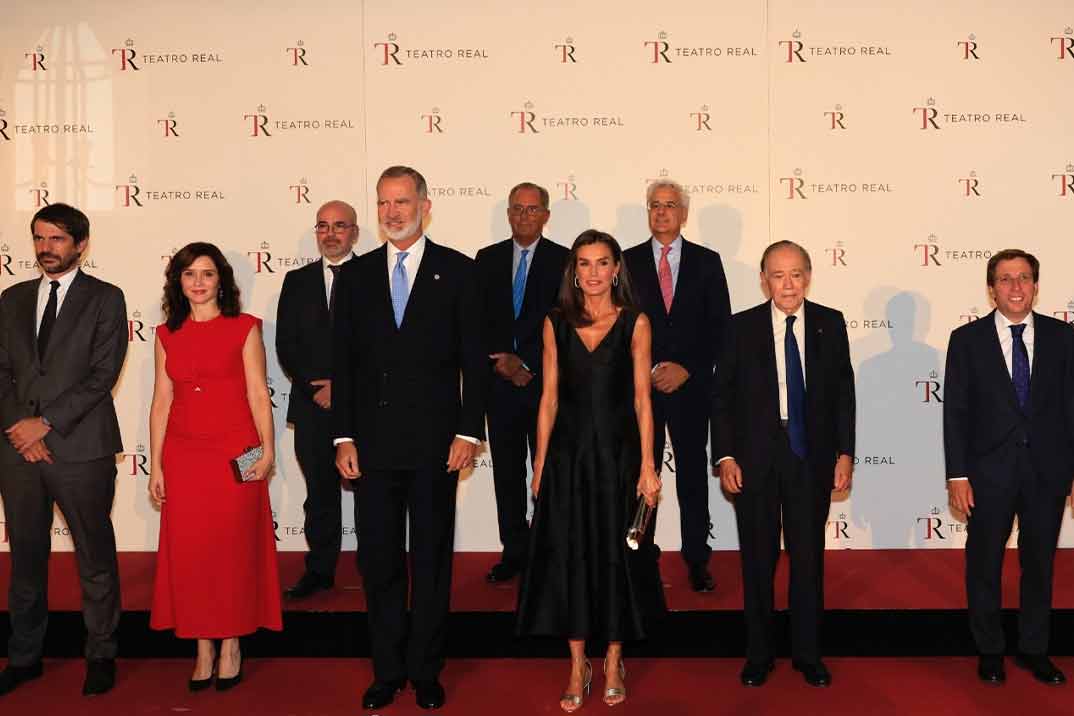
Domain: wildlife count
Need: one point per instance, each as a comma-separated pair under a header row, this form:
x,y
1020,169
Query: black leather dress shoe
x,y
1042,668
700,578
755,674
308,585
502,572
380,694
100,676
990,670
12,676
815,673
429,694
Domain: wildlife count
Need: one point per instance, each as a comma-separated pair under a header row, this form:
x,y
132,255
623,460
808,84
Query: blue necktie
x,y
796,425
400,288
1020,366
518,288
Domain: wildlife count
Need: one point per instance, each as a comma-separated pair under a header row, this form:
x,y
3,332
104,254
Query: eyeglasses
x,y
323,227
1009,280
518,210
669,205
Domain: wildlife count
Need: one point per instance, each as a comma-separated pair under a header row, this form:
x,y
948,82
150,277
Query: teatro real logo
x,y
701,118
837,254
932,254
129,59
528,121
137,330
969,47
40,195
132,194
9,129
169,125
432,122
565,51
260,124
970,185
301,191
460,191
567,190
662,51
6,260
1064,44
1065,181
264,262
1067,314
37,59
391,53
836,118
929,388
798,187
714,186
929,116
796,50
4,125
297,55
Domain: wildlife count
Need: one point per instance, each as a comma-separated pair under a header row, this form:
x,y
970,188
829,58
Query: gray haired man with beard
x,y
63,339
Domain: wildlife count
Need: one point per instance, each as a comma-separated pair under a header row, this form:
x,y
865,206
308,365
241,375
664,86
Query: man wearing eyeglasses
x,y
682,288
1008,416
519,279
304,348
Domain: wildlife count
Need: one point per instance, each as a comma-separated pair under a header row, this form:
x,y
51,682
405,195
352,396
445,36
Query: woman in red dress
x,y
216,563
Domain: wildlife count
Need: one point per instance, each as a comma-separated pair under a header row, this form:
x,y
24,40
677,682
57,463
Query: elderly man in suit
x,y
304,347
682,289
1008,417
784,413
408,326
63,339
519,281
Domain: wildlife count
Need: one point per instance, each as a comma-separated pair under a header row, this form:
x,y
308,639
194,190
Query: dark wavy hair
x,y
175,305
571,303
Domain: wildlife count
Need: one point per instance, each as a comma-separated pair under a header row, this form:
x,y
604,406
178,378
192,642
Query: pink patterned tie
x,y
664,272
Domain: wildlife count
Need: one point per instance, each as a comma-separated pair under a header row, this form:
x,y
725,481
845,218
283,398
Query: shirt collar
x,y
326,263
1004,324
65,280
415,251
779,316
676,246
519,248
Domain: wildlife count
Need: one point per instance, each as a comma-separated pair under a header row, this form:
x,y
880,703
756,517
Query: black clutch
x,y
241,464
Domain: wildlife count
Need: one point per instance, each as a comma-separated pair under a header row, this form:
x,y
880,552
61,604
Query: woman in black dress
x,y
594,460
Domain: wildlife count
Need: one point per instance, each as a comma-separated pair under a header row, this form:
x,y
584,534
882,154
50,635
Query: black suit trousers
x,y
323,524
1040,515
512,421
687,419
84,493
406,648
790,494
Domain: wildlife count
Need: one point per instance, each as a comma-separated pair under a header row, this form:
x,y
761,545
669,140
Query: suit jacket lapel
x,y
768,340
1042,341
384,290
814,338
995,357
74,303
536,257
649,281
28,316
421,283
687,273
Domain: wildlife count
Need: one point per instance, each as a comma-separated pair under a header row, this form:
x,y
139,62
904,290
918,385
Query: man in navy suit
x,y
682,289
407,328
304,348
1008,417
519,280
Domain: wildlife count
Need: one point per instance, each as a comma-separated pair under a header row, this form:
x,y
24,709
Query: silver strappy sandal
x,y
575,700
614,692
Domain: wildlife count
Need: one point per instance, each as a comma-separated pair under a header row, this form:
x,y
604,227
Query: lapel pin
x,y
436,277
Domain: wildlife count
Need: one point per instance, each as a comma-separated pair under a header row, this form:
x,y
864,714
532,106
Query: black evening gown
x,y
581,580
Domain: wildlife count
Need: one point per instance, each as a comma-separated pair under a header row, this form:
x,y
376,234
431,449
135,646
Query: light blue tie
x,y
518,288
400,288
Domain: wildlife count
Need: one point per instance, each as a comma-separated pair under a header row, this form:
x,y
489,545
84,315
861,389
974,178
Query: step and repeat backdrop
x,y
901,143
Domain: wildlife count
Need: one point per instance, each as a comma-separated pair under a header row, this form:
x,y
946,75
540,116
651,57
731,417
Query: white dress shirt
x,y
1006,344
329,276
412,262
779,334
43,290
516,257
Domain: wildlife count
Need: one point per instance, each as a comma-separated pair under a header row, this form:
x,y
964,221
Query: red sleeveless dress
x,y
216,562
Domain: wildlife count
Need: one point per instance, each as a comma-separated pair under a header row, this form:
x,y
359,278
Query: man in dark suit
x,y
682,288
63,339
1008,417
408,323
304,347
784,413
519,281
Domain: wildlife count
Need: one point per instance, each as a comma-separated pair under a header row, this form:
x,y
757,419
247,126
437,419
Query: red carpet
x,y
855,579
665,687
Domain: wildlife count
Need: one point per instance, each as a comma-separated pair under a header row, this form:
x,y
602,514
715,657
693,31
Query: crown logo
x,y
5,248
391,37
570,177
44,184
931,101
569,40
133,178
797,171
129,42
663,173
436,110
662,35
973,172
136,314
934,511
261,108
842,515
839,244
1070,303
1070,166
973,310
932,238
1068,31
264,245
933,374
797,34
839,107
300,43
140,447
973,36
3,112
528,105
302,181
40,49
